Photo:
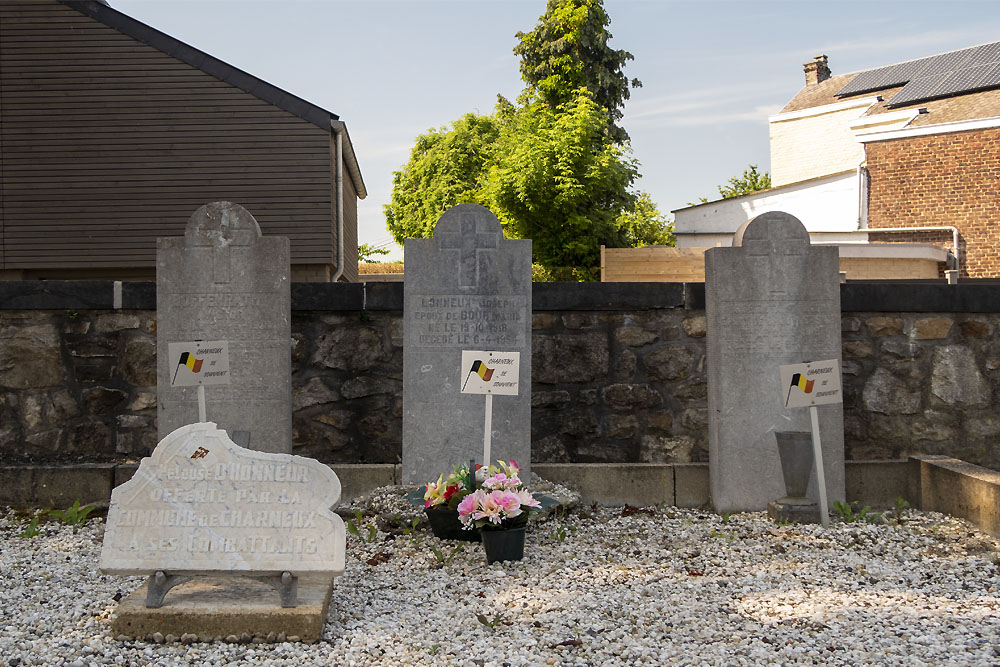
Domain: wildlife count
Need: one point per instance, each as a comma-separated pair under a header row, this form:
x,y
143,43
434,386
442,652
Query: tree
x,y
367,252
446,167
568,50
750,181
553,167
557,179
644,225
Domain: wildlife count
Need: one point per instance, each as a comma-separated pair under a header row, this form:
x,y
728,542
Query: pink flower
x,y
526,499
498,481
467,507
487,507
509,501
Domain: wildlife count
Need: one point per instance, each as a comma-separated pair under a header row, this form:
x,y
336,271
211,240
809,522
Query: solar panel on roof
x,y
987,53
948,62
865,81
962,80
962,71
991,79
918,89
908,71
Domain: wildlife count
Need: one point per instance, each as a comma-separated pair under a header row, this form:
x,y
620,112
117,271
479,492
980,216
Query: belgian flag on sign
x,y
189,360
797,381
480,369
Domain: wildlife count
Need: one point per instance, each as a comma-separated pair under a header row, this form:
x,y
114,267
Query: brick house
x,y
912,147
114,133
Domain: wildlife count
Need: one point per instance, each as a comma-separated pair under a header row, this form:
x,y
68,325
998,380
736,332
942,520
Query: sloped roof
x,y
100,10
963,106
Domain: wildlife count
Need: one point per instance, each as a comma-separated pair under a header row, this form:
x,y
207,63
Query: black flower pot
x,y
504,544
446,526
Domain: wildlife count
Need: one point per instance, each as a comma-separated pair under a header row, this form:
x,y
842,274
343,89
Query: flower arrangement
x,y
501,502
448,492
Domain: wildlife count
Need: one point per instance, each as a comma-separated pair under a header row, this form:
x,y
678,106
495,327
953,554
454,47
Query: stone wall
x,y
619,372
920,383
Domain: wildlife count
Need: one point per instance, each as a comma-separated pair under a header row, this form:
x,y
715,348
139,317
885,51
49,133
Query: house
x,y
113,133
898,165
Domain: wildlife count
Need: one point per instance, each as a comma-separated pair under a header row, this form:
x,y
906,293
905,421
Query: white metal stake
x,y
824,512
201,404
488,431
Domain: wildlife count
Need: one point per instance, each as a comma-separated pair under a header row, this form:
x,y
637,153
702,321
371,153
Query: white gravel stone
x,y
659,586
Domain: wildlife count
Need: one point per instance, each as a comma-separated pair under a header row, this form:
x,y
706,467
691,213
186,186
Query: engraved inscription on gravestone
x,y
223,281
203,505
771,299
467,288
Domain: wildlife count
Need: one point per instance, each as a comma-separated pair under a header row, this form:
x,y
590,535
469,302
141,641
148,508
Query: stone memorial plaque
x,y
467,288
201,504
772,299
223,281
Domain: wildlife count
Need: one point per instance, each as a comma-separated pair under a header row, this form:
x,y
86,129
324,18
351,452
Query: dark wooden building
x,y
113,133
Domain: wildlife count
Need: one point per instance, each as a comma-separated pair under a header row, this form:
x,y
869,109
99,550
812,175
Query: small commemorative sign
x,y
198,363
490,372
811,383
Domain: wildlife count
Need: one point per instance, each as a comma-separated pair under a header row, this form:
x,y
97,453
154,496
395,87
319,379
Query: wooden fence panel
x,y
653,264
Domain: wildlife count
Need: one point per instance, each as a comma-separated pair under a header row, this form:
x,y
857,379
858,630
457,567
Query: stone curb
x,y
876,483
930,483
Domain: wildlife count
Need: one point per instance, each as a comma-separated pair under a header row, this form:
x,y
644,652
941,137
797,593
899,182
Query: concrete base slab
x,y
225,607
793,510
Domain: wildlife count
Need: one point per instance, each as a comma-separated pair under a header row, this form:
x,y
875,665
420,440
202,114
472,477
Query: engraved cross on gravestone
x,y
466,289
777,249
470,242
219,236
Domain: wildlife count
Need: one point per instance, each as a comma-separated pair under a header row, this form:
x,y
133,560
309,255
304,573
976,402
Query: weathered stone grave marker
x,y
202,505
771,299
466,289
223,281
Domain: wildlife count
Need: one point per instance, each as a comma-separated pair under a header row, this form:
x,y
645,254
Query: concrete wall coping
x,y
968,296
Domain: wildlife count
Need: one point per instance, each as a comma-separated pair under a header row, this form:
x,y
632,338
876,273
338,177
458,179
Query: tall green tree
x,y
554,167
447,166
557,179
568,50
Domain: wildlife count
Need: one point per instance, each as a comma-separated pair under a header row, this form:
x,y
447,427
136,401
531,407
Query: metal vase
x,y
796,452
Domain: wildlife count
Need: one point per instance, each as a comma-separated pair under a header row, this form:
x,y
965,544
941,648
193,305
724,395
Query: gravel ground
x,y
596,587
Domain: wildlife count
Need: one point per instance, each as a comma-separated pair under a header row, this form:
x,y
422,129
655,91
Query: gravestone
x,y
466,289
202,505
771,299
223,281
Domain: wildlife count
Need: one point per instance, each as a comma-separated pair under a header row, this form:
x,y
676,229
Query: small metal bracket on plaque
x,y
288,588
160,583
158,586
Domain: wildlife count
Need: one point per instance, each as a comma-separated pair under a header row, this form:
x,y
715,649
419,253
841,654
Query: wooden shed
x,y
114,133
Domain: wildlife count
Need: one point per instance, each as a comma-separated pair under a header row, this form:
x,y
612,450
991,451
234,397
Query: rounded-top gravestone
x,y
467,290
223,281
771,300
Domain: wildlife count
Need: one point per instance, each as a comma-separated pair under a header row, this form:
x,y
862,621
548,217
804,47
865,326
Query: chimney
x,y
817,71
